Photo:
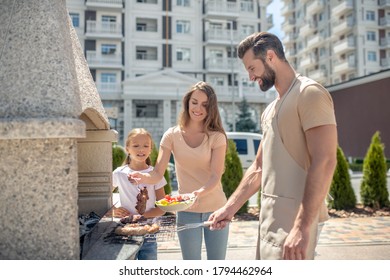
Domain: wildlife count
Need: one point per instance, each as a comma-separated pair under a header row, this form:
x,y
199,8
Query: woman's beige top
x,y
193,168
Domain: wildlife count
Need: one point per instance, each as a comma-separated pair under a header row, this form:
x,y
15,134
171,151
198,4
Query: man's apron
x,y
283,184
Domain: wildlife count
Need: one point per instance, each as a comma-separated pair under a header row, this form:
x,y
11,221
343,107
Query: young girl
x,y
139,146
198,144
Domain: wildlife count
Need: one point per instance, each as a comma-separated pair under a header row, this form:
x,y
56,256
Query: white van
x,y
247,144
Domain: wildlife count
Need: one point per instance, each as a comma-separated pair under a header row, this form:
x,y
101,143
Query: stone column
x,y
44,85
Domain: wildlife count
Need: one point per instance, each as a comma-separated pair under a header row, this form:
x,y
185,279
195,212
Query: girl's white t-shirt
x,y
128,192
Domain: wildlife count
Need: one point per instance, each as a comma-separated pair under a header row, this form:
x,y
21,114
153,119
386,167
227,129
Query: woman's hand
x,y
197,194
120,212
136,177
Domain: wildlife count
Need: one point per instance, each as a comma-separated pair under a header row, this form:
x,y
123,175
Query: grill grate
x,y
167,232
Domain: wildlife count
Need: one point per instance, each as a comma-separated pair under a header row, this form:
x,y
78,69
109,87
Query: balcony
x,y
307,61
98,60
342,26
290,52
109,90
344,65
318,75
307,29
103,29
384,21
104,88
146,25
342,8
314,41
222,65
384,42
270,21
290,38
104,4
315,7
222,36
344,46
384,3
251,92
385,62
221,9
288,9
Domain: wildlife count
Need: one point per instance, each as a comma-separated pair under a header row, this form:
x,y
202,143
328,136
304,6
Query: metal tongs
x,y
193,225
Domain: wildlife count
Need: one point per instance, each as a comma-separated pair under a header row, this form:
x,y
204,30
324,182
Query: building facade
x,y
338,40
145,54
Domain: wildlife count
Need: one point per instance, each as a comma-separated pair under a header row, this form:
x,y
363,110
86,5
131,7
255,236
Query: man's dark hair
x,y
260,43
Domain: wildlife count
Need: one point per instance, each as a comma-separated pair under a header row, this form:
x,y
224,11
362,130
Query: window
x,y
215,26
242,146
184,3
217,81
216,53
146,110
247,6
256,143
321,16
370,15
371,36
108,18
183,54
147,1
108,49
141,26
183,26
141,54
247,29
108,78
371,56
146,53
75,19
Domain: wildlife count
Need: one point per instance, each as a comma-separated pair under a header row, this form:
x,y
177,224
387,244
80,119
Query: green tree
x,y
118,155
341,188
233,173
373,189
244,121
153,159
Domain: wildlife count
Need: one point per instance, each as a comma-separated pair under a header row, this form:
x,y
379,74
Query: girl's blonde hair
x,y
134,132
213,121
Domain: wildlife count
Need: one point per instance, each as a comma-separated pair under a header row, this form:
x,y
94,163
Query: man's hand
x,y
296,243
220,219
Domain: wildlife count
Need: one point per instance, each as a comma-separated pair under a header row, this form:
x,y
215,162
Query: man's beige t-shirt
x,y
306,106
193,166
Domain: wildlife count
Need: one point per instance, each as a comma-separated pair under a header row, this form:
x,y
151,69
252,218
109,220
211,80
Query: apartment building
x,y
338,40
145,54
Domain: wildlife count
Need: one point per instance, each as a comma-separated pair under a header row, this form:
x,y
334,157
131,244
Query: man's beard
x,y
268,78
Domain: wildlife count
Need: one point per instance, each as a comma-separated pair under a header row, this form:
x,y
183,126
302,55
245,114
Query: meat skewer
x,y
142,197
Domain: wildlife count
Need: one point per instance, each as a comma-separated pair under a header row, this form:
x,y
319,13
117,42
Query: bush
x,y
373,190
341,188
153,159
118,155
232,176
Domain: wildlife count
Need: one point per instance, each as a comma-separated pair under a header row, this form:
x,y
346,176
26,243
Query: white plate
x,y
179,206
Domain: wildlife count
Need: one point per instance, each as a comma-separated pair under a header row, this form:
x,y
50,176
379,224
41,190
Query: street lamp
x,y
232,79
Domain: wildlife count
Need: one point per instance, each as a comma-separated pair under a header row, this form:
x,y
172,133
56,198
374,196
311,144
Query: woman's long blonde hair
x,y
131,135
213,120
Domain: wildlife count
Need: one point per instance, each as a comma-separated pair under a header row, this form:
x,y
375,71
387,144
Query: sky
x,y
274,9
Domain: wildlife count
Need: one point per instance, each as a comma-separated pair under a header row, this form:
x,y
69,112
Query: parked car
x,y
247,144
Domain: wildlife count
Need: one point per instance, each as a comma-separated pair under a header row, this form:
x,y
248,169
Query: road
x,y
356,180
